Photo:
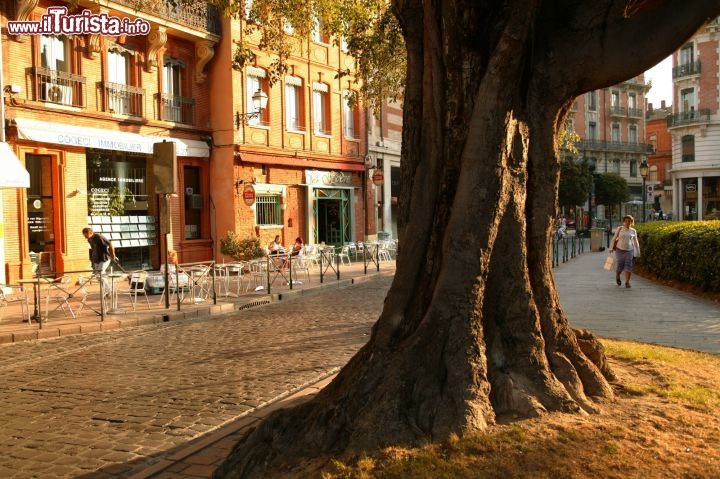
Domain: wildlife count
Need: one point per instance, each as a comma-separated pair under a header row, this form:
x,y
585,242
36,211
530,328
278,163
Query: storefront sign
x,y
328,178
249,194
46,132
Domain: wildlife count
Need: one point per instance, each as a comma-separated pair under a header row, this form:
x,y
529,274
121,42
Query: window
x,y
632,134
122,98
55,53
616,166
687,100
615,100
256,80
268,210
615,132
293,103
633,109
592,101
688,148
54,81
193,202
350,115
173,104
318,33
633,169
321,108
687,54
592,131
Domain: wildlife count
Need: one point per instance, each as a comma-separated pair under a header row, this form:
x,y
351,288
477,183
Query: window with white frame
x,y
321,108
616,166
256,81
293,103
268,210
55,52
592,101
172,87
592,131
633,169
632,134
350,114
687,100
318,34
615,99
615,132
632,101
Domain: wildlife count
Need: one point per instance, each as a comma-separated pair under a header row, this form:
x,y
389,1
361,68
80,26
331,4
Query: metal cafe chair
x,y
14,294
136,286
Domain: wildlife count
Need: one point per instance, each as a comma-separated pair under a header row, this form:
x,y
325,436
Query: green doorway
x,y
332,216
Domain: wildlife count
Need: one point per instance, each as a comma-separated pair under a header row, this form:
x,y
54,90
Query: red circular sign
x,y
249,195
378,178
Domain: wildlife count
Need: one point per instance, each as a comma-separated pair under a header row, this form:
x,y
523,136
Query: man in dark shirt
x,y
101,253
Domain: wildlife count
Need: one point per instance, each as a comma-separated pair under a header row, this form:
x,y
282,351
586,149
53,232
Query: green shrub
x,y
682,250
239,249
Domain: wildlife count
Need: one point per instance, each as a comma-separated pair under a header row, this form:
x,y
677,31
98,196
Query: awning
x,y
84,137
12,173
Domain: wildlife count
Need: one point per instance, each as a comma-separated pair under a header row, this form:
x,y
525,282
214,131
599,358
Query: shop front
x,y
332,203
83,176
698,197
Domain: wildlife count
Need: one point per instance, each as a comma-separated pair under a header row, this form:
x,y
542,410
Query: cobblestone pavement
x,y
114,403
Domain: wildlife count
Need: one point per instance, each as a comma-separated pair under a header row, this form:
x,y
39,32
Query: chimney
x,y
649,108
662,104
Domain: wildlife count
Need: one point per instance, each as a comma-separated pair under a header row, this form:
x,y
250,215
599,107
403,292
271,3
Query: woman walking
x,y
626,246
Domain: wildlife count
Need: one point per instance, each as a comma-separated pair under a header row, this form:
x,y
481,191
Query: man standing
x,y
101,252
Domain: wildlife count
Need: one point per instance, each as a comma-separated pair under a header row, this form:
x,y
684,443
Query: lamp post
x,y
644,172
259,100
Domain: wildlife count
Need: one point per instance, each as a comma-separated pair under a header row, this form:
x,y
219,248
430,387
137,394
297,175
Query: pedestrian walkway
x,y
14,328
647,312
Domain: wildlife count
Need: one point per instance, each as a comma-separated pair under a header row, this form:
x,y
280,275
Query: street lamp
x,y
259,100
644,172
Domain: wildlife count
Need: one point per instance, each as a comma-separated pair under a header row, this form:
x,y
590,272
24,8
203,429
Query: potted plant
x,y
241,249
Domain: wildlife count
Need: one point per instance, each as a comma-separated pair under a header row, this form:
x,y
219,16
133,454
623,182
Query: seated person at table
x,y
297,247
275,248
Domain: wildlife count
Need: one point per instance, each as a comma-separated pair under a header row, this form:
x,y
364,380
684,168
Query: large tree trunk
x,y
472,328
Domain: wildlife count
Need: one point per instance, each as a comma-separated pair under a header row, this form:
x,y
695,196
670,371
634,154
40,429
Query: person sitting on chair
x,y
275,248
297,247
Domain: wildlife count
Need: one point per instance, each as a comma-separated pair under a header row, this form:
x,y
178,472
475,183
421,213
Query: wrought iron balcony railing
x,y
688,117
686,69
177,109
200,15
62,88
618,146
124,99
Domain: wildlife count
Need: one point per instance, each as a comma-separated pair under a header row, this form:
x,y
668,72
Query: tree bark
x,y
472,331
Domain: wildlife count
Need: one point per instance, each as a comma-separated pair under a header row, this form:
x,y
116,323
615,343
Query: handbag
x,y
609,262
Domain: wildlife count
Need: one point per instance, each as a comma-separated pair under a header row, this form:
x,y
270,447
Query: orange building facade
x,y
302,155
83,111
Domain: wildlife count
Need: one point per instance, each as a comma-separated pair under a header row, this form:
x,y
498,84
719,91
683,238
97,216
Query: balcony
x,y
53,86
123,99
688,118
617,111
199,16
635,113
686,69
614,146
177,109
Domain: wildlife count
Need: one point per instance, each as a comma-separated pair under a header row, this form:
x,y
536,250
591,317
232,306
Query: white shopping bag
x,y
609,262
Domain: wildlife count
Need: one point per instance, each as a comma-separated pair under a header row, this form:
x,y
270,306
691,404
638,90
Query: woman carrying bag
x,y
626,246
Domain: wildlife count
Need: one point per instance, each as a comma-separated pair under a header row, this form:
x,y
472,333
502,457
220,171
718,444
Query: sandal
x,y
617,280
627,285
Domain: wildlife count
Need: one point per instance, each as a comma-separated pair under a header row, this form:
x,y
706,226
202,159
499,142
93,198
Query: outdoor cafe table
x,y
37,282
113,294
